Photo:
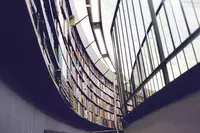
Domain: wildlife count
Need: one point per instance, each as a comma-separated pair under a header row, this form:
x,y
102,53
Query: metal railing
x,y
48,52
153,48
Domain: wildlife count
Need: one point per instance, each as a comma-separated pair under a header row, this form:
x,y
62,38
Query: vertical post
x,y
119,75
115,101
158,40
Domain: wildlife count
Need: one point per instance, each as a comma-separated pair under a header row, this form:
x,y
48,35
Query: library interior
x,y
100,66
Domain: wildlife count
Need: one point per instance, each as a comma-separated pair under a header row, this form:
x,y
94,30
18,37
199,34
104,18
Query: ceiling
x,y
94,31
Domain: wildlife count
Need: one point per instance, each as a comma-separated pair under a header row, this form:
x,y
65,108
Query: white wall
x,y
180,117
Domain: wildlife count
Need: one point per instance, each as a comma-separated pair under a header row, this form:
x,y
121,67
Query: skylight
x,y
100,40
110,65
95,48
95,10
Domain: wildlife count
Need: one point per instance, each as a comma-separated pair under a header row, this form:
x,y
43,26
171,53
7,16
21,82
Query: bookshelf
x,y
91,101
88,92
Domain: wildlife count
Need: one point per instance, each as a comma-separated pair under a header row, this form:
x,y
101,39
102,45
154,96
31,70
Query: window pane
x,y
190,56
196,43
191,14
146,13
139,19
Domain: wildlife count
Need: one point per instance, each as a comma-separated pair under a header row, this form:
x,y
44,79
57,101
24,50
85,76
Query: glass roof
x,y
95,10
107,11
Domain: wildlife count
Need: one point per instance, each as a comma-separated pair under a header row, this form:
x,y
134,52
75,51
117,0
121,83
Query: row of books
x,y
85,82
99,92
87,63
105,83
95,99
89,97
80,80
90,88
98,102
96,83
105,119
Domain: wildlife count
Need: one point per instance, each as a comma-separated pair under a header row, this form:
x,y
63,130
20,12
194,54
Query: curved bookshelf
x,y
80,83
111,96
79,55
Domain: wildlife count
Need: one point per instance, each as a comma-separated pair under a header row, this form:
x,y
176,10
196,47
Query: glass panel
x,y
191,14
95,48
196,43
139,97
125,48
165,33
129,36
109,64
95,10
146,13
85,24
136,78
153,90
190,56
139,19
162,78
170,72
172,22
146,89
122,49
100,40
142,67
159,81
156,3
146,60
133,26
153,49
175,67
182,62
176,8
196,5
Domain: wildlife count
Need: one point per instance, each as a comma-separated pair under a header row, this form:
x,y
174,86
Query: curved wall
x,y
87,93
29,101
18,115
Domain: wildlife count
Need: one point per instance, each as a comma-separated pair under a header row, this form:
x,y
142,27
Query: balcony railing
x,y
44,35
155,42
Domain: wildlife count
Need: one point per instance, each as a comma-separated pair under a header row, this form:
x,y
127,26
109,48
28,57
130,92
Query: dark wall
x,y
179,117
17,115
173,109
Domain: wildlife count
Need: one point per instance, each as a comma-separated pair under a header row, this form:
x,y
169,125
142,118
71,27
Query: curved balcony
x,y
32,58
62,52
